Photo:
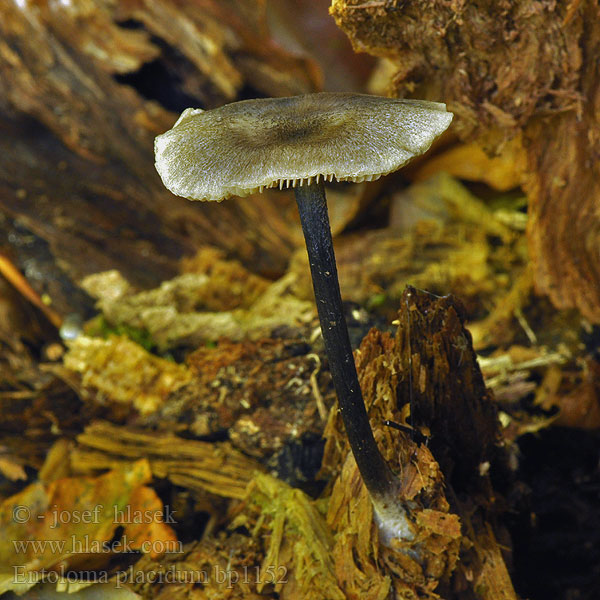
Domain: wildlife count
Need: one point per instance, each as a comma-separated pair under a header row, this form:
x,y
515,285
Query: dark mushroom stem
x,y
375,472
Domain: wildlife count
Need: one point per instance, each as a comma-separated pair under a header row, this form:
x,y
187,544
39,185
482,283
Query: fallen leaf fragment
x,y
71,522
11,469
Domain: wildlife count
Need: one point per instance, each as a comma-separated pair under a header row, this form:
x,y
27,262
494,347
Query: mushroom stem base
x,y
314,217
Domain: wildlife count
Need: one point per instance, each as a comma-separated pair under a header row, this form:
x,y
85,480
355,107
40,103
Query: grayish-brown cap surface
x,y
243,147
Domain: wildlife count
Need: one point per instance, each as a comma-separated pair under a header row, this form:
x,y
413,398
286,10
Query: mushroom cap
x,y
243,147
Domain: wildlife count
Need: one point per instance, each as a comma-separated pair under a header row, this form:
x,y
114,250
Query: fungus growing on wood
x,y
300,142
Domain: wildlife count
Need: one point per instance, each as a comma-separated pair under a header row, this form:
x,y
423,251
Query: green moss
x,y
100,327
376,301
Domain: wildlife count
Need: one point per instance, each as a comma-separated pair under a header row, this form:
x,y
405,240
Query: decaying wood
x,y
419,565
35,406
120,371
427,377
77,174
265,394
261,392
505,68
444,386
497,63
200,466
564,190
428,371
222,567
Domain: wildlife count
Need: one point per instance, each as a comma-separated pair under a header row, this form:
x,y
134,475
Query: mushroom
x,y
300,142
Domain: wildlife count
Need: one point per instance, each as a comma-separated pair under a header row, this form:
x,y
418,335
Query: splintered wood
x,y
201,466
426,379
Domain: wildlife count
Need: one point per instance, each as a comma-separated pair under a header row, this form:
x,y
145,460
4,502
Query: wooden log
x,y
77,176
